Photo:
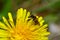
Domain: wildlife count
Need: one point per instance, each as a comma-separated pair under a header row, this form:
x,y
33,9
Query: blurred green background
x,y
49,9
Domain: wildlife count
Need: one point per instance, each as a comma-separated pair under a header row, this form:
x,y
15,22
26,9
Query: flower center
x,y
15,35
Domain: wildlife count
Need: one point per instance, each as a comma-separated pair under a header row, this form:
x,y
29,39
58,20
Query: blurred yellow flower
x,y
23,29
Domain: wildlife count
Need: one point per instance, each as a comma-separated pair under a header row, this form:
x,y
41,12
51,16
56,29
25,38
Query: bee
x,y
34,19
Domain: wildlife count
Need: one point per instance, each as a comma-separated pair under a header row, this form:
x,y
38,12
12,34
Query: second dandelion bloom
x,y
24,28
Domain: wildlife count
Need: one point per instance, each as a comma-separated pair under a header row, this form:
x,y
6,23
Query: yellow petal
x,y
43,27
24,14
2,25
4,33
19,14
11,19
39,19
6,22
28,14
4,38
41,22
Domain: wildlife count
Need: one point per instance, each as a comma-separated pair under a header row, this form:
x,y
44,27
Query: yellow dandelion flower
x,y
24,28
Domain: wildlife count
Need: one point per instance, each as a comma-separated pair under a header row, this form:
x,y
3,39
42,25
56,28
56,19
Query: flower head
x,y
24,28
